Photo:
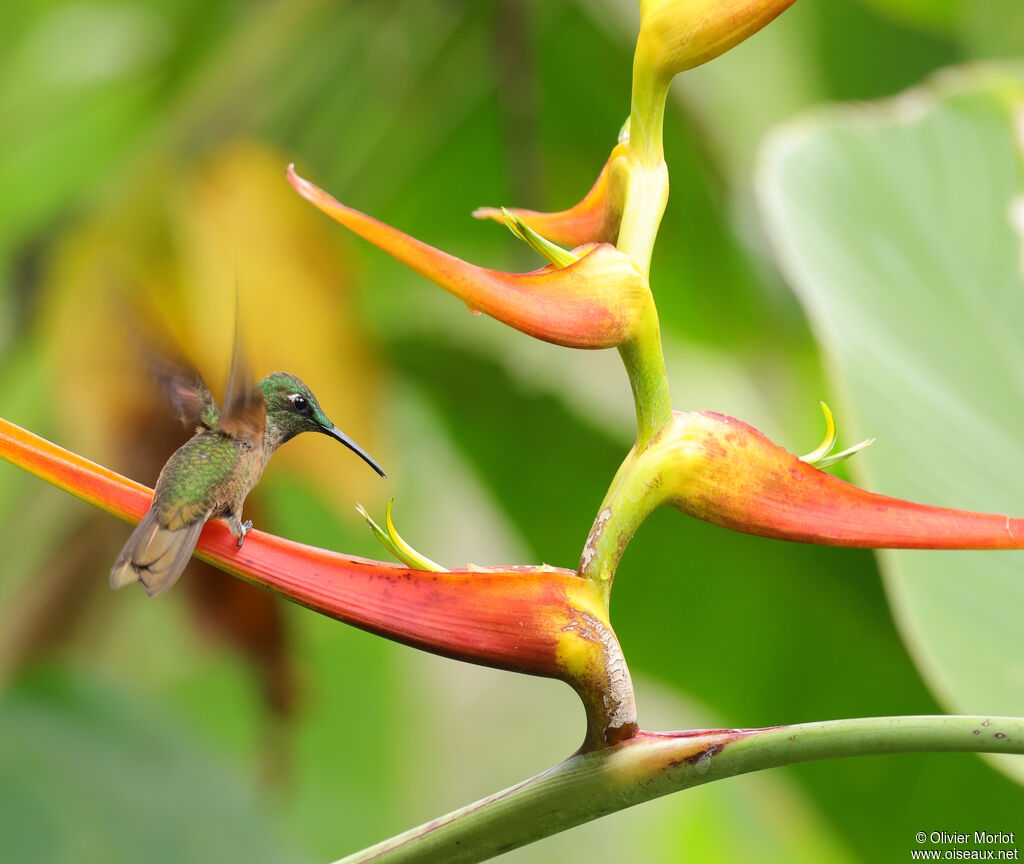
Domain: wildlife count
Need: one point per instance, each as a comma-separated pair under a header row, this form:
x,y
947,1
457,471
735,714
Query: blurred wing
x,y
182,387
245,417
245,412
185,392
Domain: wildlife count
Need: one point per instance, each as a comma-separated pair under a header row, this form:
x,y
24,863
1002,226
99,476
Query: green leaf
x,y
894,224
90,774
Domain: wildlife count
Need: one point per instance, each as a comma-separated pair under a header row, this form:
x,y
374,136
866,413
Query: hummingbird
x,y
211,474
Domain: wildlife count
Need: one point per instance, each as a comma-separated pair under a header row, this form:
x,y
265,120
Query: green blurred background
x,y
142,148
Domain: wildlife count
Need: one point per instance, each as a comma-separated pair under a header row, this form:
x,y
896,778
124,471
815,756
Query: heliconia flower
x,y
734,476
595,219
538,620
723,471
726,472
599,301
676,35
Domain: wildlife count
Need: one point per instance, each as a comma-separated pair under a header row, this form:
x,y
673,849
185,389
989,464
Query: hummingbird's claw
x,y
239,528
246,527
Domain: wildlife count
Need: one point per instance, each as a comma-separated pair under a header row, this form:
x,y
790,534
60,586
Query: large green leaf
x,y
895,225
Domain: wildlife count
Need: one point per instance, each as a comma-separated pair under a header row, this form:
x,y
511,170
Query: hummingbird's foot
x,y
239,529
246,528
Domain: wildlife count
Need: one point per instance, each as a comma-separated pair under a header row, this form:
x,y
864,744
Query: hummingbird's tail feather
x,y
155,556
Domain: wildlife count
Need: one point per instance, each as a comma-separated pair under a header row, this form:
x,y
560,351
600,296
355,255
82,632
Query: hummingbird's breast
x,y
210,475
253,459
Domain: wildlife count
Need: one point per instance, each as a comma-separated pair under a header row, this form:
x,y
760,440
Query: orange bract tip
x,y
595,219
598,301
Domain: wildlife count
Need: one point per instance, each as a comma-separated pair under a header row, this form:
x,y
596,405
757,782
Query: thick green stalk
x,y
646,186
647,110
588,786
644,199
645,194
645,365
631,498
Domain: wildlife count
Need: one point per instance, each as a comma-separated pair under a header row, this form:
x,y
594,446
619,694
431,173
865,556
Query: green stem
x,y
588,786
635,492
646,188
628,502
645,194
644,199
647,110
645,365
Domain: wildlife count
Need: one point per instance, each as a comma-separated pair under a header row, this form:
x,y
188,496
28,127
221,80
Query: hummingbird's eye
x,y
301,403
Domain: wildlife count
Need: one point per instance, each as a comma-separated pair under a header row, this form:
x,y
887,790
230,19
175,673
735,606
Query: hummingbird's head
x,y
292,408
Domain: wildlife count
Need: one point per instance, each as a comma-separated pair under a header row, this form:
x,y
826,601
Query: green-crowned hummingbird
x,y
212,473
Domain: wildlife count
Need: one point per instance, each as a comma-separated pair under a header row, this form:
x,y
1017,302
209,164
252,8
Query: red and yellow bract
x,y
598,302
538,620
742,480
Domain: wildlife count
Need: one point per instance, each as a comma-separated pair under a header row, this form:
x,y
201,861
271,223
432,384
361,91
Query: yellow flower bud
x,y
676,35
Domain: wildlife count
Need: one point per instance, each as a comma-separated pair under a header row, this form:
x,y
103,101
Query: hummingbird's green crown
x,y
291,407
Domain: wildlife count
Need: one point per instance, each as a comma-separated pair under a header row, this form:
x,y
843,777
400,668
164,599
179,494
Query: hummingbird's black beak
x,y
338,435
